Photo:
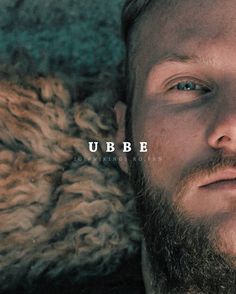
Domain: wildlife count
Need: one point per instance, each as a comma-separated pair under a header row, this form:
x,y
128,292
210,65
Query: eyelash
x,y
202,87
178,94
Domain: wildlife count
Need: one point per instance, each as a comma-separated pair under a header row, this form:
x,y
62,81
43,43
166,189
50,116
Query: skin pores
x,y
185,109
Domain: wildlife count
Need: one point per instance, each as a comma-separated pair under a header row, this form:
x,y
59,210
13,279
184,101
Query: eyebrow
x,y
169,58
178,58
174,57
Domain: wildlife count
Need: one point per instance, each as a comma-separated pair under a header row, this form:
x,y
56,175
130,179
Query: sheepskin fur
x,y
62,209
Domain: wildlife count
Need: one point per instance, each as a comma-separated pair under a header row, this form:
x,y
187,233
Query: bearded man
x,y
181,100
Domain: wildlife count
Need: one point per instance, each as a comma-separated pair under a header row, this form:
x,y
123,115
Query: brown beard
x,y
181,251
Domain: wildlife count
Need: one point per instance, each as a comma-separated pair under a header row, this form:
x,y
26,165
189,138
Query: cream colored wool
x,y
58,212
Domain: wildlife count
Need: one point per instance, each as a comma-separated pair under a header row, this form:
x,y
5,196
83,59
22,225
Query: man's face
x,y
185,108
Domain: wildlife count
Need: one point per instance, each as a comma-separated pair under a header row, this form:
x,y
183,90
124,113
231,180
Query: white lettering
x,y
143,146
110,147
91,146
126,147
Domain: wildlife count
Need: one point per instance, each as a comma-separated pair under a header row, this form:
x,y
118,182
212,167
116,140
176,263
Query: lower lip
x,y
221,185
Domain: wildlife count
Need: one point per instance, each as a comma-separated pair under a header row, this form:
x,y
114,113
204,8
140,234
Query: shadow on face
x,y
184,107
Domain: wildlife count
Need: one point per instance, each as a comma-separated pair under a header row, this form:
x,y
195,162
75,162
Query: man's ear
x,y
120,110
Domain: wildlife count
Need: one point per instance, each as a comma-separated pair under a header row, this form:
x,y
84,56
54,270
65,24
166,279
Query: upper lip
x,y
220,175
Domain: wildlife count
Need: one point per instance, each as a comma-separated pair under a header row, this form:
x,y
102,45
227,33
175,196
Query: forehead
x,y
205,29
175,27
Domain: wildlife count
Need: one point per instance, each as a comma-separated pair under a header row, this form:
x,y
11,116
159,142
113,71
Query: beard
x,y
182,252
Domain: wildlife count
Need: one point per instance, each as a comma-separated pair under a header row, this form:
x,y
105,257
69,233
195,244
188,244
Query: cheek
x,y
174,141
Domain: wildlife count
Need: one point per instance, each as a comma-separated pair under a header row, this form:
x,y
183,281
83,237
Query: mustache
x,y
204,168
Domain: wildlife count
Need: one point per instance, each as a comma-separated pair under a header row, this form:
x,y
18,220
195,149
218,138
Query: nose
x,y
222,134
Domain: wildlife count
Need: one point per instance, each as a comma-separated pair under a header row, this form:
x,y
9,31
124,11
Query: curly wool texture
x,y
60,211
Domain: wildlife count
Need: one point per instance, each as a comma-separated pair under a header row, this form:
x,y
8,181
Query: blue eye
x,y
188,86
185,90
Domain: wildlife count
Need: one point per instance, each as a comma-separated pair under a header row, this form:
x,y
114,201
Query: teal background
x,y
70,36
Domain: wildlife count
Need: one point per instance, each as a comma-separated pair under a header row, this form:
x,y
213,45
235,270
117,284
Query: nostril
x,y
220,139
223,139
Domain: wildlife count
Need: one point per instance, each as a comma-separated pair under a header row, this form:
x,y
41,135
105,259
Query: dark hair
x,y
132,9
131,13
